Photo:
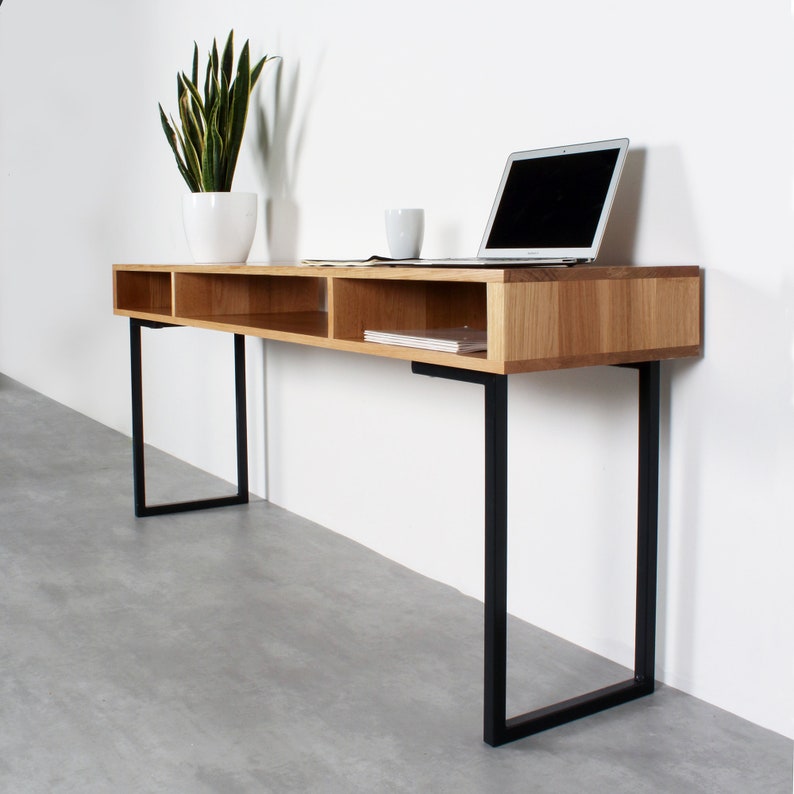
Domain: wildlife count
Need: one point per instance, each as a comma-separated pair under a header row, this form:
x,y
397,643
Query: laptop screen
x,y
554,202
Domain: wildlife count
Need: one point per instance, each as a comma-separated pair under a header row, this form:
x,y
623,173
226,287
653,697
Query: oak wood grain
x,y
536,318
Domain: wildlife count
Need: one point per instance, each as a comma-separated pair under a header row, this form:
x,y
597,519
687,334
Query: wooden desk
x,y
535,318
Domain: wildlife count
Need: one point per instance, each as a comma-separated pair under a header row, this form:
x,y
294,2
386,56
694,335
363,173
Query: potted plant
x,y
219,224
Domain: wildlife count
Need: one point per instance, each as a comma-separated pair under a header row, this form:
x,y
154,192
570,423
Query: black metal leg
x,y
647,523
495,619
138,460
497,729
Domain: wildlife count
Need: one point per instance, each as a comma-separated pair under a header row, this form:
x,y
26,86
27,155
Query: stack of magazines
x,y
447,340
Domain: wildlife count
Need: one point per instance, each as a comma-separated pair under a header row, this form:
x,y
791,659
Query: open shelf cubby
x,y
386,305
143,291
284,304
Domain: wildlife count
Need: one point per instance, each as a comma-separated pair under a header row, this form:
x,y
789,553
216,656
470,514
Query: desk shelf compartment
x,y
357,305
143,293
272,305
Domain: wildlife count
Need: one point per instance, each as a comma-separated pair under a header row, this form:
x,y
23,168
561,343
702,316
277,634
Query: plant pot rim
x,y
219,192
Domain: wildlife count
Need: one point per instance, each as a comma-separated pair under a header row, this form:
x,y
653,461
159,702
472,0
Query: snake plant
x,y
212,125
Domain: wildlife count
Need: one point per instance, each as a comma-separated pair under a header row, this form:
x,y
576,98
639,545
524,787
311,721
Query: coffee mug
x,y
405,230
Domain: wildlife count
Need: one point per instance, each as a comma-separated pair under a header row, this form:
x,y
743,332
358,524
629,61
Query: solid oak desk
x,y
535,318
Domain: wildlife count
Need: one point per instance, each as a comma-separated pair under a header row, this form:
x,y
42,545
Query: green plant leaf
x,y
197,105
213,155
223,124
227,59
190,86
240,94
194,72
208,85
257,70
215,61
224,100
206,160
213,84
193,136
169,134
171,137
193,166
218,161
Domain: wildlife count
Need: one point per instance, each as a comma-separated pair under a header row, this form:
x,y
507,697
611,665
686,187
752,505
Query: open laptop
x,y
551,207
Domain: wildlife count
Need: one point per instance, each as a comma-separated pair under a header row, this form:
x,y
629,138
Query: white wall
x,y
417,104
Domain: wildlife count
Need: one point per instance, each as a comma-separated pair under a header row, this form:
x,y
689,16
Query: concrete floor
x,y
248,650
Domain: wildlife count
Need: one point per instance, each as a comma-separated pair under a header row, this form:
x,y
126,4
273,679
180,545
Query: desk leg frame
x,y
497,728
142,509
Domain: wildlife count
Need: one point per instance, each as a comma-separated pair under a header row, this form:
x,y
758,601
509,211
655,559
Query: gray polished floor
x,y
248,650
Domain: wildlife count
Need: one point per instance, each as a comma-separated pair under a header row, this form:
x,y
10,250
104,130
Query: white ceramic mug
x,y
405,230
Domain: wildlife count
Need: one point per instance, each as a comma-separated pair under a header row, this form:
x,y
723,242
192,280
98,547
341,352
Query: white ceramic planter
x,y
219,227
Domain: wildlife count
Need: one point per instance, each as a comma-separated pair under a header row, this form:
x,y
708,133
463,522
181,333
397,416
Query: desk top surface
x,y
501,275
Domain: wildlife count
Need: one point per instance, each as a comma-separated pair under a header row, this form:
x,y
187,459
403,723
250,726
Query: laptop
x,y
551,207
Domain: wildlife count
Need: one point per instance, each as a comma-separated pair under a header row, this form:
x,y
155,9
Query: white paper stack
x,y
447,340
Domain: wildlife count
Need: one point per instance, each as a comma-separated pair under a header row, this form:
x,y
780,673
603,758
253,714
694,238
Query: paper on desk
x,y
448,340
371,262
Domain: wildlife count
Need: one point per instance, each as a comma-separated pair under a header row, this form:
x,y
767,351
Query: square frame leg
x,y
142,509
497,728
